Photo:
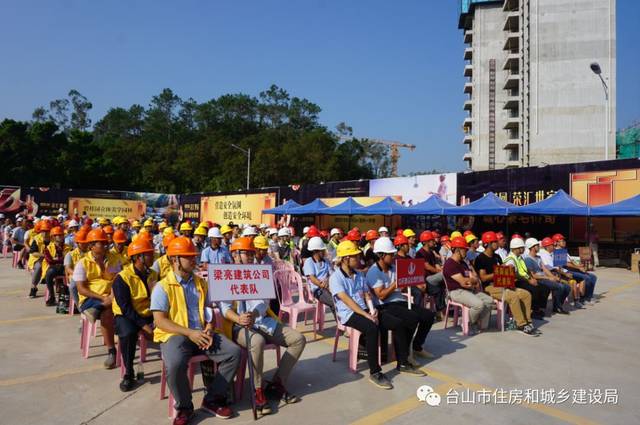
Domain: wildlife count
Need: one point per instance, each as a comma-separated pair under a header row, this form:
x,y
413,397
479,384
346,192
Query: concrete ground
x,y
44,380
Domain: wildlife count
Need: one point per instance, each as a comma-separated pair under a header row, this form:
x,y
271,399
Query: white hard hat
x,y
516,243
384,245
273,231
531,242
72,223
316,244
35,220
305,230
263,226
249,231
284,232
214,232
60,209
19,220
383,229
335,231
95,225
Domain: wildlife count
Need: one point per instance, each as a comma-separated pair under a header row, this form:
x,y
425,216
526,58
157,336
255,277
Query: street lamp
x,y
248,153
595,67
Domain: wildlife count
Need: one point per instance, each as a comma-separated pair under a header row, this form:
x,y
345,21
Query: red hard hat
x,y
400,240
500,235
372,235
426,236
399,232
313,232
467,232
444,238
324,234
436,235
557,237
459,242
546,242
488,237
353,235
515,235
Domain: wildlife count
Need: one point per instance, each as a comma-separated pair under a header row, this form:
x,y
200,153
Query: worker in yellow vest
x,y
39,243
162,265
108,230
52,266
94,276
72,258
119,248
132,298
185,327
263,328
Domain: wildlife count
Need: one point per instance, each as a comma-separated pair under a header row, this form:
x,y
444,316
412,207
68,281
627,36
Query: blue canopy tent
x,y
434,205
627,208
347,207
283,209
313,207
560,203
489,204
388,206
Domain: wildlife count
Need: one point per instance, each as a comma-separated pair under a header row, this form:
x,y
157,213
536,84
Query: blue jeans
x,y
92,303
559,291
589,279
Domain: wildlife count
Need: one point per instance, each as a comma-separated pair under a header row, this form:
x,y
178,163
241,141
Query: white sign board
x,y
240,282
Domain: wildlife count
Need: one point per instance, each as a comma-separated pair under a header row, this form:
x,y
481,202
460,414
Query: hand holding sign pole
x,y
409,272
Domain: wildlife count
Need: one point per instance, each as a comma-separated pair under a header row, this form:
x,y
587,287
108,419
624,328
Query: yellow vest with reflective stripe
x,y
98,282
52,250
76,255
521,267
165,266
178,304
140,298
122,256
36,256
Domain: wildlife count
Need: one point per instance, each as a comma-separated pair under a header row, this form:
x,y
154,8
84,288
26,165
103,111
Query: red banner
x,y
504,277
409,272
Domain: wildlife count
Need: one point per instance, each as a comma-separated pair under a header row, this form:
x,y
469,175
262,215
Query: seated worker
x,y
186,229
578,271
317,269
538,271
577,287
518,299
185,328
94,275
162,265
38,245
433,271
264,328
131,291
370,257
381,278
199,236
119,248
355,308
472,253
16,238
261,244
108,230
215,253
465,287
524,280
52,266
72,258
413,242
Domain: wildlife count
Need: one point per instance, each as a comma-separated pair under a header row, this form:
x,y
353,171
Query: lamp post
x,y
595,67
248,153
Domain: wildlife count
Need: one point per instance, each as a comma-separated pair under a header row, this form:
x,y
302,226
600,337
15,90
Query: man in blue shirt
x,y
316,268
544,277
215,253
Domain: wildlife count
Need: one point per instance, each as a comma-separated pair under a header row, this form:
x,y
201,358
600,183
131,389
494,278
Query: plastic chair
x,y
16,259
290,282
88,330
354,340
242,368
319,314
458,310
191,371
5,250
142,342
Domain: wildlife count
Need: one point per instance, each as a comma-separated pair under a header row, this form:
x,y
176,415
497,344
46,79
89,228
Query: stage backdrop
x,y
412,190
239,209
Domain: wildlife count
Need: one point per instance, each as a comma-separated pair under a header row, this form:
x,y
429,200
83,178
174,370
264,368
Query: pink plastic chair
x,y
191,371
290,283
5,249
319,314
142,342
354,339
88,331
242,368
16,259
457,308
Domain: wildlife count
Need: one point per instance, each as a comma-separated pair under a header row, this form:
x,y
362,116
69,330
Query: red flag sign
x,y
409,272
504,277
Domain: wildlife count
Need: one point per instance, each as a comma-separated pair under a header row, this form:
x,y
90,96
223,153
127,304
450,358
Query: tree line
x,y
177,145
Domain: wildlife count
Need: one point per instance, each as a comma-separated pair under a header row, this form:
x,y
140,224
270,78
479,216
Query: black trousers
x,y
539,294
371,333
49,278
417,318
127,331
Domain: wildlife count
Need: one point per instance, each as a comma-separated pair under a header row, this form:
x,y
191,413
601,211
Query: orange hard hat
x,y
181,247
400,240
459,242
167,239
97,235
85,228
45,226
140,246
426,236
242,244
372,235
145,235
80,237
57,231
488,237
108,229
353,235
119,236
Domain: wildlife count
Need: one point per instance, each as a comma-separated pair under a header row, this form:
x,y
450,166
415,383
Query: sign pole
x,y
247,336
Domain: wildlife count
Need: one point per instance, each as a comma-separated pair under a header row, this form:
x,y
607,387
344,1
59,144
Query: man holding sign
x,y
252,324
185,328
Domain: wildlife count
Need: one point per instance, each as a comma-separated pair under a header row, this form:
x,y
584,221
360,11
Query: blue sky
x,y
390,69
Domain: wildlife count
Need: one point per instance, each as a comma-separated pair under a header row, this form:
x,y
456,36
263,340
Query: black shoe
x,y
528,330
537,315
380,380
127,384
410,370
33,292
51,302
560,310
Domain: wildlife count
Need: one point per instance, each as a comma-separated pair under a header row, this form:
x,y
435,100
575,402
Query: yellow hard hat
x,y
167,231
185,226
225,229
470,237
135,223
162,226
408,233
202,231
116,220
204,224
148,222
260,242
347,248
103,221
455,234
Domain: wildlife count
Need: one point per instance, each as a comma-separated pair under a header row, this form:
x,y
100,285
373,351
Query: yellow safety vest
x,y
165,266
99,282
36,256
76,255
178,304
227,325
140,298
521,267
122,256
52,250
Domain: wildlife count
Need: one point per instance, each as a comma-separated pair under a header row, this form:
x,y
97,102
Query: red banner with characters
x,y
504,277
409,272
